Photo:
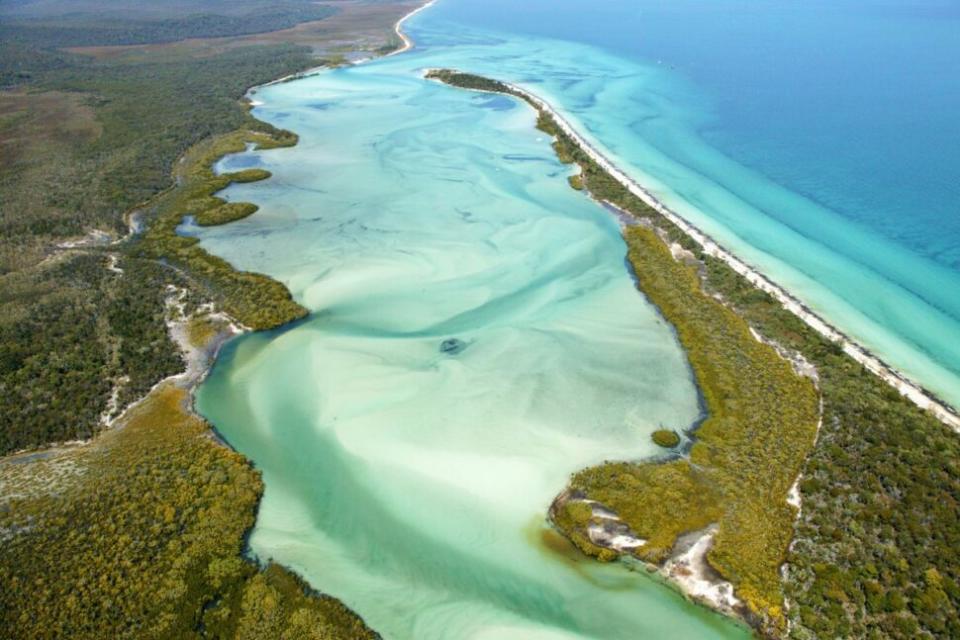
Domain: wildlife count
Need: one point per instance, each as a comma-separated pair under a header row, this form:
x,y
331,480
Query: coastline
x,y
198,359
913,391
731,485
398,29
194,373
166,416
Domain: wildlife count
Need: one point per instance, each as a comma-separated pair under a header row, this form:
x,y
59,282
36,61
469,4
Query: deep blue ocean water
x,y
818,140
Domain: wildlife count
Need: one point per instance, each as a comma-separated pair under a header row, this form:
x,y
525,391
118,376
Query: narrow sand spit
x,y
911,390
398,28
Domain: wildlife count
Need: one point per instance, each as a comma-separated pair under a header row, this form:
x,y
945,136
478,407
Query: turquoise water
x,y
475,335
475,339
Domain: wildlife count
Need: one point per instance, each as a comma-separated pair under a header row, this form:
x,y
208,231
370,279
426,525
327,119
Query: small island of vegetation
x,y
666,438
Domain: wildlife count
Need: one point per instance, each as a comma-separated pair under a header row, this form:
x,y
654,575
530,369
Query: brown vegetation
x,y
356,27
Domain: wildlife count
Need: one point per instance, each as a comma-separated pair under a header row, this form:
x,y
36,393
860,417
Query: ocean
x,y
817,140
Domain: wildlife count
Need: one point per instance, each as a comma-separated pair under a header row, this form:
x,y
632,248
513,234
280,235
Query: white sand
x,y
398,28
689,570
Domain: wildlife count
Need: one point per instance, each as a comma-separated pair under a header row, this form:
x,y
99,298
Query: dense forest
x,y
100,30
141,535
63,353
57,24
59,349
874,549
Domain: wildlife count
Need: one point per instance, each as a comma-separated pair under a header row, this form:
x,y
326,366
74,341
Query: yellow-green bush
x,y
227,212
665,438
761,426
140,535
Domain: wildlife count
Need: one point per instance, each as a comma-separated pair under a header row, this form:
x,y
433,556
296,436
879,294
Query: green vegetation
x,y
19,62
471,81
874,551
98,140
71,331
249,175
572,517
148,115
761,424
224,213
140,535
665,438
78,169
202,328
83,142
253,299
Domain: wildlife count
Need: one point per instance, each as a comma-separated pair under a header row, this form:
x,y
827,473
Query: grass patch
x,y
201,329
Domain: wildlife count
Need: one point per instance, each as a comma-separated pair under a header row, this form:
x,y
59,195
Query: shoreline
x,y
911,390
687,570
408,43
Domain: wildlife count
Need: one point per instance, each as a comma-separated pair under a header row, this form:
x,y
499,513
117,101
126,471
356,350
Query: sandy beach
x,y
398,28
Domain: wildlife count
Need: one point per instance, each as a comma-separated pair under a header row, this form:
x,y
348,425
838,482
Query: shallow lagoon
x,y
476,338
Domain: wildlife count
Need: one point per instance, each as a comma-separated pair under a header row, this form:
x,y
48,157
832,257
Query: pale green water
x,y
411,482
